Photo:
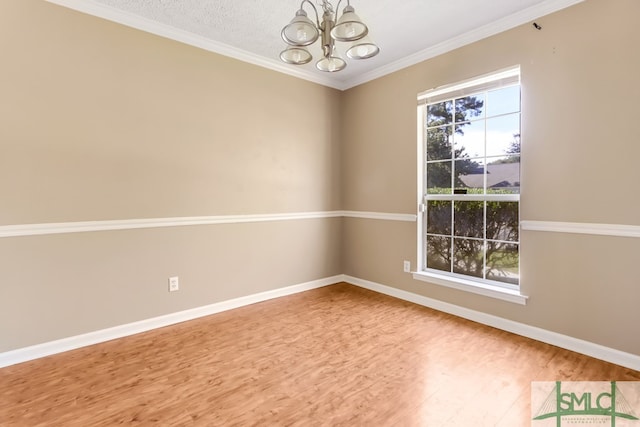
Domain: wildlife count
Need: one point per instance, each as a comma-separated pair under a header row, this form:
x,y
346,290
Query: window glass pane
x,y
514,144
439,178
439,114
468,140
503,175
469,107
503,135
468,257
439,217
502,262
503,101
439,143
469,177
439,253
502,221
469,219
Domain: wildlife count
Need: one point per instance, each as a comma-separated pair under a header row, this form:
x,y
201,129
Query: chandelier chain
x,y
326,6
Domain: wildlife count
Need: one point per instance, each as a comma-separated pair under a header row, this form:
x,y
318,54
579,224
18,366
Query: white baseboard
x,y
65,344
607,354
597,351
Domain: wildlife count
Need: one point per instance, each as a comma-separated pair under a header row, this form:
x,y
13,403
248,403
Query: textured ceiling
x,y
406,31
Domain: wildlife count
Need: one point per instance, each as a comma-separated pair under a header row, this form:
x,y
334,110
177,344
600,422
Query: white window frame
x,y
506,292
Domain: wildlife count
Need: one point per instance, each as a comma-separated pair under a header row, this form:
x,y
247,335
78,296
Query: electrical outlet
x,y
407,266
174,284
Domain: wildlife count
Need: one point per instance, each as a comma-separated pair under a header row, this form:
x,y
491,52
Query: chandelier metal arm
x,y
338,8
326,7
314,11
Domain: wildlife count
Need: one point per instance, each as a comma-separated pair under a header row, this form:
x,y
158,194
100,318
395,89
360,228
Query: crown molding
x,y
118,16
473,36
134,21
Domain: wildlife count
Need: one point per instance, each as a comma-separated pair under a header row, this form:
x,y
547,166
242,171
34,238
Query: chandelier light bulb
x,y
331,64
301,34
363,49
295,55
300,31
349,30
349,27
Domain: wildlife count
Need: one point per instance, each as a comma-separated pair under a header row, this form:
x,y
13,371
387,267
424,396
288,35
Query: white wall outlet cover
x,y
407,266
174,284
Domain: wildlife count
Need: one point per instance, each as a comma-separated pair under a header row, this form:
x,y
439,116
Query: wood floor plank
x,y
339,356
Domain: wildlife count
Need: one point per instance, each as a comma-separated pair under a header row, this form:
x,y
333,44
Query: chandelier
x,y
302,32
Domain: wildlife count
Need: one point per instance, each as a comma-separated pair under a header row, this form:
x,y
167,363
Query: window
x,y
469,183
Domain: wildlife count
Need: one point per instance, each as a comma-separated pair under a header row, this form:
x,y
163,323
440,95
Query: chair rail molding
x,y
131,224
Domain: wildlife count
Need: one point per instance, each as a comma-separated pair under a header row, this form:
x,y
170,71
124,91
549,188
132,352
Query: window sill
x,y
473,287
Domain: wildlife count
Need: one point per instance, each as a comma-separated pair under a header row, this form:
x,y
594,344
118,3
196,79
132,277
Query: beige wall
x,y
103,122
580,154
107,122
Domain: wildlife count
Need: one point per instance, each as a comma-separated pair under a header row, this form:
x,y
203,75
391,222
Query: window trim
x,y
480,288
483,287
504,77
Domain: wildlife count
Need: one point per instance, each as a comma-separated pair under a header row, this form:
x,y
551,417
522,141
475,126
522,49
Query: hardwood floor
x,y
339,356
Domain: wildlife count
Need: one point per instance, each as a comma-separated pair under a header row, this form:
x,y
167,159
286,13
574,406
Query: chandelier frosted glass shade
x,y
330,28
349,27
295,55
300,31
363,49
331,64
